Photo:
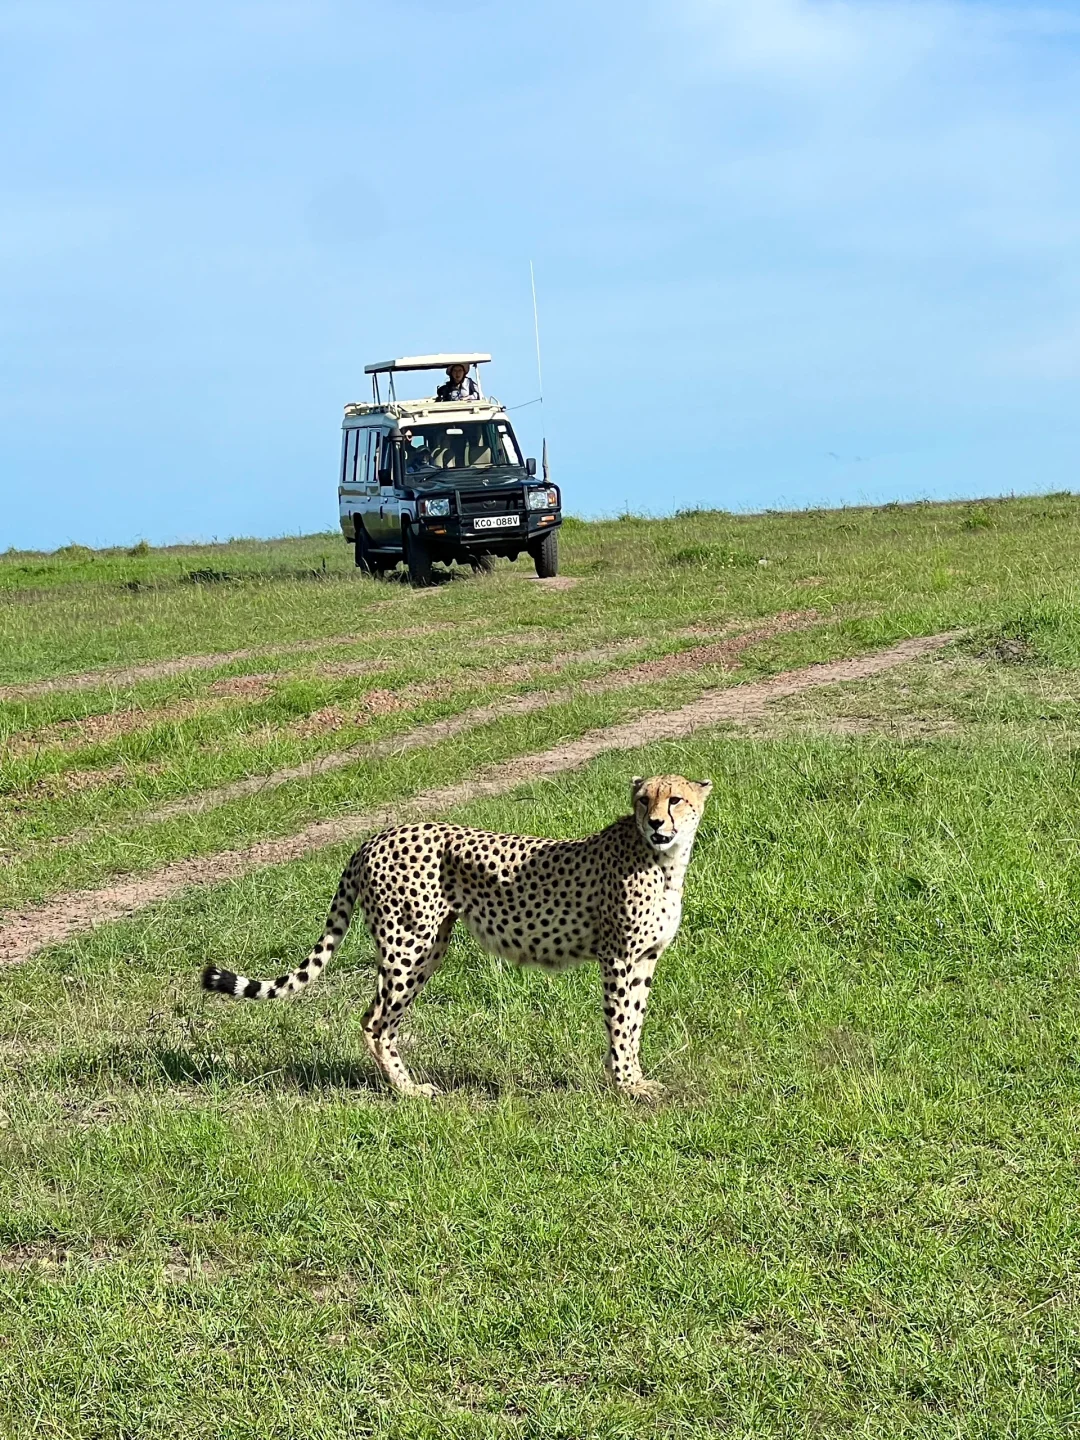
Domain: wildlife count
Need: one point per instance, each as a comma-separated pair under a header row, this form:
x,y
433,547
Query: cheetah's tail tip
x,y
221,981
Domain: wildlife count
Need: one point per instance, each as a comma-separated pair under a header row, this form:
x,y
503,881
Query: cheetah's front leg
x,y
626,995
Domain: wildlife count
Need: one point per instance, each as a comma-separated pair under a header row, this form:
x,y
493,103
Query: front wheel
x,y
546,556
418,558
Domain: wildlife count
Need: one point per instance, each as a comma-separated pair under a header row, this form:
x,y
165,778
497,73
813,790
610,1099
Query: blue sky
x,y
788,252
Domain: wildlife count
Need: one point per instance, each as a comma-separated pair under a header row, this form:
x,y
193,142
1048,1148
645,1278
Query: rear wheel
x,y
546,555
418,558
362,551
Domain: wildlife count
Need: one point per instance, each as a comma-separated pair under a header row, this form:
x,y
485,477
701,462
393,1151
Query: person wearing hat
x,y
459,386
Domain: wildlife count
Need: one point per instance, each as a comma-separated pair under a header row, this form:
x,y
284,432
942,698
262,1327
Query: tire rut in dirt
x,y
25,933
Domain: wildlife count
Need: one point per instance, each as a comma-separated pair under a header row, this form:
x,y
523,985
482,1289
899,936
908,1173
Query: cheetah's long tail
x,y
241,988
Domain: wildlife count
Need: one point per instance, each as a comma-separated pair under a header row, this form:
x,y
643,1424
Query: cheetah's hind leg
x,y
403,973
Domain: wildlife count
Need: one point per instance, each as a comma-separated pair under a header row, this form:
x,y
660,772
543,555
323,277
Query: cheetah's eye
x,y
676,800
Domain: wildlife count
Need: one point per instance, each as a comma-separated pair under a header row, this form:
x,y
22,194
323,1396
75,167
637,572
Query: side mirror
x,y
386,477
530,465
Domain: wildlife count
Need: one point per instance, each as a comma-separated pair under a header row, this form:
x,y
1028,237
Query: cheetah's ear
x,y
705,786
635,785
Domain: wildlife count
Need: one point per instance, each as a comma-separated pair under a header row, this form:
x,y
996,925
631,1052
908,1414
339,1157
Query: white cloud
x,y
913,128
797,40
822,41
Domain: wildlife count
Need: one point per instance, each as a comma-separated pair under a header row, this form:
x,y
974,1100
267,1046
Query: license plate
x,y
495,522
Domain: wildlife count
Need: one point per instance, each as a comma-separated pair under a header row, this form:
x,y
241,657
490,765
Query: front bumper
x,y
496,520
463,531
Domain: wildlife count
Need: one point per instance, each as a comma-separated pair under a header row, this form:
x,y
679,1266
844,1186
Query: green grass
x,y
140,567
920,559
857,1215
111,837
854,1216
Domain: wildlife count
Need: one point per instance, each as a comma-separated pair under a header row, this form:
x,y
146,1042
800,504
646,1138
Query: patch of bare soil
x,y
342,669
336,717
384,702
717,629
553,582
47,1255
424,736
243,687
182,1269
98,729
183,664
73,782
1009,651
24,933
723,652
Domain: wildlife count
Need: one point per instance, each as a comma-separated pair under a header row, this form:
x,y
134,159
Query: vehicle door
x,y
385,528
354,490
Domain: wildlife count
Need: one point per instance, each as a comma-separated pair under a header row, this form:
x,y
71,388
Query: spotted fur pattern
x,y
615,897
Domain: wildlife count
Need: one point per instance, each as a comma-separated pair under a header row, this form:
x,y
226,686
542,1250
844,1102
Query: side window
x,y
509,455
386,454
345,442
373,459
355,453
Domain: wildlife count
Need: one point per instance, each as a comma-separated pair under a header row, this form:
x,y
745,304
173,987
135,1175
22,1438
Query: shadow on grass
x,y
439,578
160,1066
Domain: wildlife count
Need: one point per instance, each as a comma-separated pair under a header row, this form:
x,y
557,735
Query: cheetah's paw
x,y
645,1092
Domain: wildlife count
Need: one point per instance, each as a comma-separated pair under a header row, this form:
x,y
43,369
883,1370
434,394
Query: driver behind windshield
x,y
455,447
417,454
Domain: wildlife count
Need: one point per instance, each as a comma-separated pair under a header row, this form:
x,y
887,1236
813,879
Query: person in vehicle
x,y
417,454
459,386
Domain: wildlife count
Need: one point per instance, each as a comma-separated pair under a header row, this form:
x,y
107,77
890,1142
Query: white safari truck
x,y
441,479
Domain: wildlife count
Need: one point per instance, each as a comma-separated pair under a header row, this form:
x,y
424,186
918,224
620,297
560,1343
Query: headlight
x,y
435,507
546,499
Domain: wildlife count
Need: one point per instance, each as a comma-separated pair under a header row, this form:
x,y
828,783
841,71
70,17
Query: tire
x,y
418,559
482,564
362,552
546,556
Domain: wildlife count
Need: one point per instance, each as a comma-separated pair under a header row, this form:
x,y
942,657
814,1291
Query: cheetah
x,y
614,897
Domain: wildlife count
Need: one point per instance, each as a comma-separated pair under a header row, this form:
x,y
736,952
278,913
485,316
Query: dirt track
x,y
24,933
424,736
182,664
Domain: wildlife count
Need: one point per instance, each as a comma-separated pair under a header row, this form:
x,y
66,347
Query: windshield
x,y
471,445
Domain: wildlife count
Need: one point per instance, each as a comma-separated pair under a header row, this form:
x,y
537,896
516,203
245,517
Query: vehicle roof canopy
x,y
424,362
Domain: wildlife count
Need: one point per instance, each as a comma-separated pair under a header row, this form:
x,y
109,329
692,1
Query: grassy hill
x,y
855,1213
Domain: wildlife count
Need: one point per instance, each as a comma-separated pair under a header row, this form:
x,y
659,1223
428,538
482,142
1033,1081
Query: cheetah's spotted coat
x,y
615,897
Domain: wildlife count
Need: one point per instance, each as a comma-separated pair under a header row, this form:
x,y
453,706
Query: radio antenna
x,y
539,370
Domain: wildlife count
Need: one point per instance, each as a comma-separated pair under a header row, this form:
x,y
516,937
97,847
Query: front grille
x,y
483,502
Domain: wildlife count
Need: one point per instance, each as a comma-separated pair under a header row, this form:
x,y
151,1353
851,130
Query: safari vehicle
x,y
441,480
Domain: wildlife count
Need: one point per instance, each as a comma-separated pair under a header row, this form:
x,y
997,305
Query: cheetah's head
x,y
667,809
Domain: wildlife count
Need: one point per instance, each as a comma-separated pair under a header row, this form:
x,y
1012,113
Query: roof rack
x,y
421,362
425,409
